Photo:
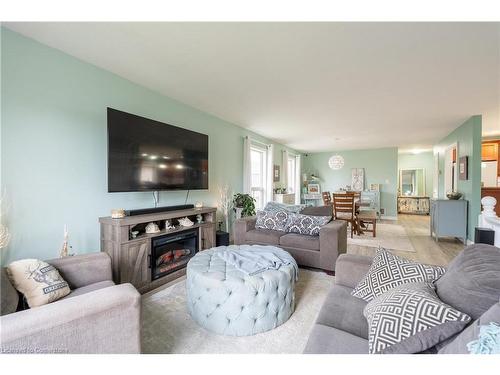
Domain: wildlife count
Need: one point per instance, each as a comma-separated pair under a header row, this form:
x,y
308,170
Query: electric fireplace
x,y
171,252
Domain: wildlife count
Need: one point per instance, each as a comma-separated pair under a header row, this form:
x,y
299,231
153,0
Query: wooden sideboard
x,y
413,205
131,256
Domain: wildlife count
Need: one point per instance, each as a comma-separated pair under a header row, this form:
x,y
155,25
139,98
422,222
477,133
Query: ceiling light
x,y
165,157
144,155
179,166
336,162
153,157
162,166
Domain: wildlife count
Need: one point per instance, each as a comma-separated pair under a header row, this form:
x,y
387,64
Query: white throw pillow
x,y
38,281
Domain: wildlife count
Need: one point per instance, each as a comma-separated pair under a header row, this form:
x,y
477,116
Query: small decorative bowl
x,y
454,195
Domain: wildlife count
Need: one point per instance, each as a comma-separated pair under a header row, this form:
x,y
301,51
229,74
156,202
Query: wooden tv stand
x,y
130,256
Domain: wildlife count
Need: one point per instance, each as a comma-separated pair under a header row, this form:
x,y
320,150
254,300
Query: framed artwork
x,y
463,168
313,188
374,187
358,179
276,173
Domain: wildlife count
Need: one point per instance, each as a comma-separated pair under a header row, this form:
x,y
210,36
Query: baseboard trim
x,y
469,242
388,217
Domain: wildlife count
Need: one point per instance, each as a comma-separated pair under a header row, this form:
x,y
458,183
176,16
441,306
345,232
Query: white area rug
x,y
389,236
168,328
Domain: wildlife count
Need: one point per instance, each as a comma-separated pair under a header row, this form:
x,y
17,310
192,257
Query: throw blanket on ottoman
x,y
226,300
255,259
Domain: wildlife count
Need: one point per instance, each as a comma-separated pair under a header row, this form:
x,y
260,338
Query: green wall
x,y
425,161
381,167
53,147
468,138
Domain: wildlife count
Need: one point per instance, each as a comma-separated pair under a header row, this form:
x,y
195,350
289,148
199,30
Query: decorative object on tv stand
x,y
168,225
65,247
336,162
313,189
152,228
118,213
199,219
463,168
198,205
454,195
185,222
358,179
134,233
224,204
244,205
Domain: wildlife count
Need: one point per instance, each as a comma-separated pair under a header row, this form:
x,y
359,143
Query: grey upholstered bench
x,y
227,301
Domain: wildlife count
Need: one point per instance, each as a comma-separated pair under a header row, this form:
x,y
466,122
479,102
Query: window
x,y
291,174
258,159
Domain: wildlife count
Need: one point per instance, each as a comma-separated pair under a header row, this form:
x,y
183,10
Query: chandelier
x,y
336,162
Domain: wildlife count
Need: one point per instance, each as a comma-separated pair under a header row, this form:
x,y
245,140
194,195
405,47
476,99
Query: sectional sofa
x,y
471,284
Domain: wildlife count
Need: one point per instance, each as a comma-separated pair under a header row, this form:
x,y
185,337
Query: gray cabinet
x,y
449,218
134,263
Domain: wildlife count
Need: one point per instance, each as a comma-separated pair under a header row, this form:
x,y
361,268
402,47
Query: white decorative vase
x,y
238,211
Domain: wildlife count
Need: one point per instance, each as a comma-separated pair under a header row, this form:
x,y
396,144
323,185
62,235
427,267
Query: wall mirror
x,y
412,182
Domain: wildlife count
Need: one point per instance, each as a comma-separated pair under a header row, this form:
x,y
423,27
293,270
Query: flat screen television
x,y
148,155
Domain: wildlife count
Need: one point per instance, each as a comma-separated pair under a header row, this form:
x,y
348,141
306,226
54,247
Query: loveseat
x,y
310,251
471,284
96,317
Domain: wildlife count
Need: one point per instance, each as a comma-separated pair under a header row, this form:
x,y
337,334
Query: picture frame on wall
x,y
374,187
313,189
463,168
276,173
358,179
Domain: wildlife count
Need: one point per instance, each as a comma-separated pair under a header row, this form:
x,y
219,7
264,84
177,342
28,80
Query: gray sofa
x,y
310,251
96,317
470,284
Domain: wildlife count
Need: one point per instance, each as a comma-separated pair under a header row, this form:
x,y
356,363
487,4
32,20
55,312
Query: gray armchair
x,y
96,317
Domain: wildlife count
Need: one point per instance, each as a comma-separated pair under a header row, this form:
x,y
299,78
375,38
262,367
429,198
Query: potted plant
x,y
244,205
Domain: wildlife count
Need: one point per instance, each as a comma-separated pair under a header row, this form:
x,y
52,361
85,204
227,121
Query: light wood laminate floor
x,y
427,250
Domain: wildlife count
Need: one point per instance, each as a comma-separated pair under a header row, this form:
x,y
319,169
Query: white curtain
x,y
270,173
298,182
247,166
284,168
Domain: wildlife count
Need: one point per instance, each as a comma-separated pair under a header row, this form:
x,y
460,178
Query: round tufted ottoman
x,y
227,301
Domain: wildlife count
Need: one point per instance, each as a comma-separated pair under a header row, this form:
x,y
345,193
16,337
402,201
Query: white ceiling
x,y
311,86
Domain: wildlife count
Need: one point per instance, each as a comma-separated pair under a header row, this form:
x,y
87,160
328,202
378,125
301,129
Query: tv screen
x,y
147,155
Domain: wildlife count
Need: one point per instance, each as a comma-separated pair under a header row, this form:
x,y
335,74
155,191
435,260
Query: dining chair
x,y
344,209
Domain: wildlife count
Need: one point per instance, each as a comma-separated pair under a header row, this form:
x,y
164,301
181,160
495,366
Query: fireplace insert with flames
x,y
171,252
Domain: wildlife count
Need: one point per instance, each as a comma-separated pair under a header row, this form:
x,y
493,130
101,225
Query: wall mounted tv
x,y
147,155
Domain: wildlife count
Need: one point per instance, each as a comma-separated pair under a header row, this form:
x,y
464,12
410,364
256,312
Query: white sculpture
x,y
185,222
488,217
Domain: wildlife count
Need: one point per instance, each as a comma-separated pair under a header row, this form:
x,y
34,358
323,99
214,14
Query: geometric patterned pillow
x,y
388,271
307,224
410,319
274,220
